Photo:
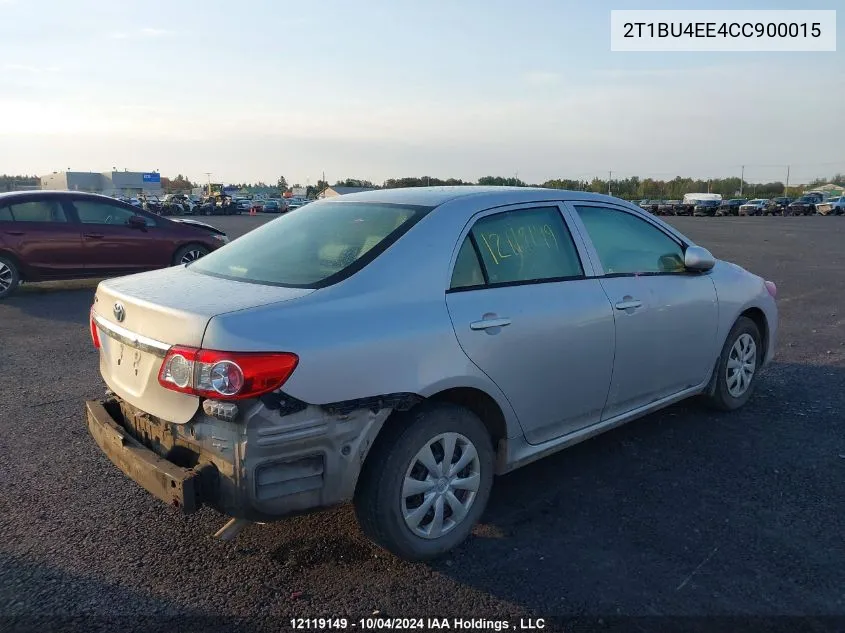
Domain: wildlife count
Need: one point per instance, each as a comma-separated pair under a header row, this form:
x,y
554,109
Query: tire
x,y
10,277
379,503
187,254
723,398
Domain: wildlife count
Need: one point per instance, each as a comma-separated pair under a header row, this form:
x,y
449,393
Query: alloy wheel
x,y
191,256
742,363
6,277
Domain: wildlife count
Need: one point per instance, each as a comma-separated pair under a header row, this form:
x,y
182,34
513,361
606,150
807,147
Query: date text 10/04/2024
x,y
374,623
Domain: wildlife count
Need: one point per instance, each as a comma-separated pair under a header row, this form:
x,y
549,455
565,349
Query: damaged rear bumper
x,y
182,488
269,461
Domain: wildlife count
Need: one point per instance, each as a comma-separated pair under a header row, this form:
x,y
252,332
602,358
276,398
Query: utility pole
x,y
708,185
609,178
208,173
741,181
786,188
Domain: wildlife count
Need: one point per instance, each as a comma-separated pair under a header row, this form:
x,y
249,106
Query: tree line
x,y
632,188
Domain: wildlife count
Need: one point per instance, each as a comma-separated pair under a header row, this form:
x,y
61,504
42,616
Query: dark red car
x,y
65,235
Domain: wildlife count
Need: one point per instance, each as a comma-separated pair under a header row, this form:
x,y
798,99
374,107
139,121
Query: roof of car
x,y
435,196
7,195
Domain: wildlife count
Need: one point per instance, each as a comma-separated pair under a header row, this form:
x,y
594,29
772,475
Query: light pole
x,y
208,174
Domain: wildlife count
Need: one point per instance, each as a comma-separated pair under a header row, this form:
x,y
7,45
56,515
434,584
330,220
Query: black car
x,y
272,206
668,207
805,205
730,207
706,208
650,205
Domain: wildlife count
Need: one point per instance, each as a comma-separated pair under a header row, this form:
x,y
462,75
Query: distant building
x,y
331,192
110,183
830,190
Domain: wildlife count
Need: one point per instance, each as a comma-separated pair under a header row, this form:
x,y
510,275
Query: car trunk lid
x,y
140,316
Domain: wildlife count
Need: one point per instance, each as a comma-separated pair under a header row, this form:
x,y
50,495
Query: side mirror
x,y
698,259
137,222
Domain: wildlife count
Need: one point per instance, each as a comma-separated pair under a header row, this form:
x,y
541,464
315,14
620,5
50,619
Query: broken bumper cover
x,y
182,488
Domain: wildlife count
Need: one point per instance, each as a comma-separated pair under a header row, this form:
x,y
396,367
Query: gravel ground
x,y
682,513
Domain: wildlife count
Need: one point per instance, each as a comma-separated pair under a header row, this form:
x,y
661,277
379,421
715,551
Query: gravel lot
x,y
682,513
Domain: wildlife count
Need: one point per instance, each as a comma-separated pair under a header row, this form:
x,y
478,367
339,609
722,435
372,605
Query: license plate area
x,y
127,365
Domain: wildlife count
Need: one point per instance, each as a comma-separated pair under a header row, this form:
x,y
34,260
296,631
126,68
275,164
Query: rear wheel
x,y
9,277
426,482
737,368
189,253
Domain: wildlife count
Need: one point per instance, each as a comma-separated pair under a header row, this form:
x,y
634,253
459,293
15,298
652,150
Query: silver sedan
x,y
399,348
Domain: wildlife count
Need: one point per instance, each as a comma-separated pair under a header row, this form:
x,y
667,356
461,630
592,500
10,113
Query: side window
x,y
5,214
38,211
627,244
467,267
526,245
93,212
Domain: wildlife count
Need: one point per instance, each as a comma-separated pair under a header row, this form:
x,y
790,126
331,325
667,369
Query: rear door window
x,y
38,211
313,246
526,245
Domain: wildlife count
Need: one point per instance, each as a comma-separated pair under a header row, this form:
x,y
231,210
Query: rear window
x,y
313,246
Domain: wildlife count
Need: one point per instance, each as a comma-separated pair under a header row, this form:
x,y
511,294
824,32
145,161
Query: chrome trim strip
x,y
123,335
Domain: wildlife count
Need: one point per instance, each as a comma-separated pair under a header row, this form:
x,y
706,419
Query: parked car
x,y
837,205
805,205
706,208
243,205
669,207
481,329
257,206
295,203
151,203
754,207
46,235
777,206
177,204
649,205
730,207
272,206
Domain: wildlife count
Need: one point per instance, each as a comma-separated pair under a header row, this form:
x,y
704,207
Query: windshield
x,y
313,246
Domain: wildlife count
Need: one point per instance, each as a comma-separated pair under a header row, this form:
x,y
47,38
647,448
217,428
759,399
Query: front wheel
x,y
736,370
9,277
189,253
426,481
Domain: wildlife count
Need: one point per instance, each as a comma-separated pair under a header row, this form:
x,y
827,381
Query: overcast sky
x,y
374,89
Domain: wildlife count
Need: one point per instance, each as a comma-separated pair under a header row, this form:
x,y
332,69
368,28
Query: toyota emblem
x,y
119,311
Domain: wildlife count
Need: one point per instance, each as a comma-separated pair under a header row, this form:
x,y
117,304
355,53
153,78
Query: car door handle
x,y
488,323
93,235
14,232
631,304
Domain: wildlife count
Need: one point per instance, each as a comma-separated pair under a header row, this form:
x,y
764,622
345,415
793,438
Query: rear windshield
x,y
314,246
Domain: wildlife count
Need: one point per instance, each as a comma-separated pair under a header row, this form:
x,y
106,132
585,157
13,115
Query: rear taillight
x,y
95,335
772,288
225,375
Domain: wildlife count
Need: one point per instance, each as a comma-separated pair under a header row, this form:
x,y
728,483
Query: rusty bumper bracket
x,y
182,488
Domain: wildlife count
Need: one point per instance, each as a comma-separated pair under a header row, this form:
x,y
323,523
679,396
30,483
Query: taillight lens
x,y
95,335
772,288
225,375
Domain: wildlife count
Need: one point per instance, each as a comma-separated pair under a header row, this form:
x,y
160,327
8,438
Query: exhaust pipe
x,y
230,531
